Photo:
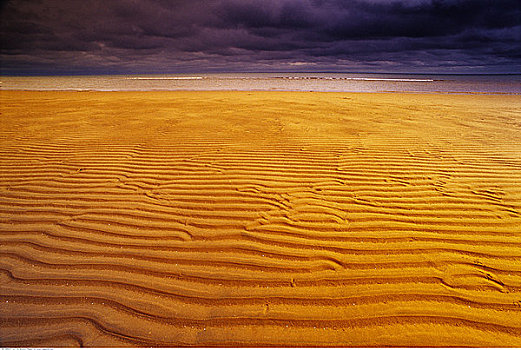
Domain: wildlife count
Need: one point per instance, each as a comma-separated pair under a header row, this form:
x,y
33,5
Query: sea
x,y
339,82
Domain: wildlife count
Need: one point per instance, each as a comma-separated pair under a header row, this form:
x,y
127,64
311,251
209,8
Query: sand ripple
x,y
265,219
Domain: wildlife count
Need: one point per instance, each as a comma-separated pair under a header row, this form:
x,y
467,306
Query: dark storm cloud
x,y
140,36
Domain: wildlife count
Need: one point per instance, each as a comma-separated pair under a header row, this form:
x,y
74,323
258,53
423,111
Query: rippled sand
x,y
259,219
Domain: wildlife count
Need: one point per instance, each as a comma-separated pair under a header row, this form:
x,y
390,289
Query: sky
x,y
48,37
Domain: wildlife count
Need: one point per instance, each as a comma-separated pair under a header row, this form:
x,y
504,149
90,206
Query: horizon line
x,y
243,72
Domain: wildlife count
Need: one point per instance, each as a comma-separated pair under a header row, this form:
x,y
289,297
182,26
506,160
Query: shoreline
x,y
281,91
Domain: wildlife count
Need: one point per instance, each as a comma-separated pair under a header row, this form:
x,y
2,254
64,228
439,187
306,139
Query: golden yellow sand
x,y
259,219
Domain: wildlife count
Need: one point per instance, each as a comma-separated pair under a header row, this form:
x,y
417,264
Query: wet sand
x,y
259,219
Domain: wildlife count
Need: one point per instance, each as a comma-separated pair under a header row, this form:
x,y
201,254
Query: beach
x,y
257,218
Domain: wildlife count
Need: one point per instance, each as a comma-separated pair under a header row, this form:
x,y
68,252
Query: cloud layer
x,y
169,36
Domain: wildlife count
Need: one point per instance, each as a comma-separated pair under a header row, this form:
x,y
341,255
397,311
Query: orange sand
x,y
259,219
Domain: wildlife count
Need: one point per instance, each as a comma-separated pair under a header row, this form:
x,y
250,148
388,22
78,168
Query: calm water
x,y
509,84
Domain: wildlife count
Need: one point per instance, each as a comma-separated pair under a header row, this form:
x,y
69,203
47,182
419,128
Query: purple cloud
x,y
162,36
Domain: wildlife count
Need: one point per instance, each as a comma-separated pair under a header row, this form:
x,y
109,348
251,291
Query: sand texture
x,y
259,219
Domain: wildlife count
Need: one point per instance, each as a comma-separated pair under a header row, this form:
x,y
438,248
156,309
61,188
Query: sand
x,y
259,219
